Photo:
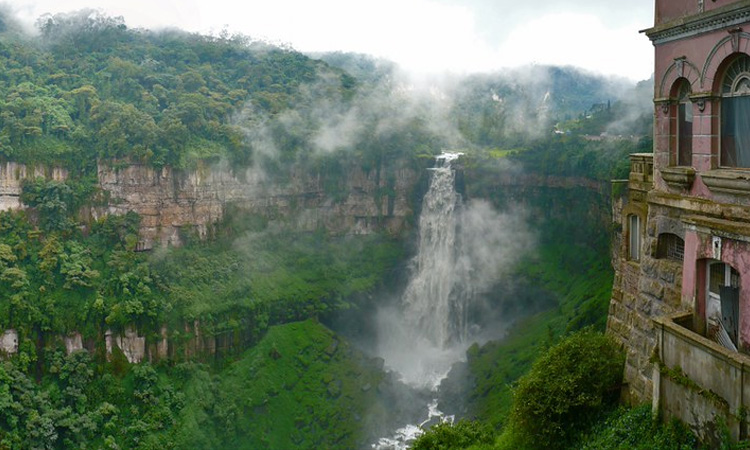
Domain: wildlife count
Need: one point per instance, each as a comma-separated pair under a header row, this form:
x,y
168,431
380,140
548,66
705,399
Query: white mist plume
x,y
492,242
325,120
637,107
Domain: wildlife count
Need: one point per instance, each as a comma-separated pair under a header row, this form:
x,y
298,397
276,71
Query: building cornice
x,y
731,15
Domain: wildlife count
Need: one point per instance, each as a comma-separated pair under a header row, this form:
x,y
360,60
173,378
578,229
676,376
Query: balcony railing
x,y
641,171
697,380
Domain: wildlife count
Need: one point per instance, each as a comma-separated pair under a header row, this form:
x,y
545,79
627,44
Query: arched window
x,y
735,114
634,237
670,246
684,125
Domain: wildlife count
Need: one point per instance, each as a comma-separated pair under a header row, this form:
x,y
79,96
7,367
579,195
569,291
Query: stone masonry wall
x,y
643,289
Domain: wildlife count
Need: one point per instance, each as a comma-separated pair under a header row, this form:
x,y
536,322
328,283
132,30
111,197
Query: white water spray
x,y
425,335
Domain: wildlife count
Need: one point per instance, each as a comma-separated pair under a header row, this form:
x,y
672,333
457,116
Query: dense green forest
x,y
88,89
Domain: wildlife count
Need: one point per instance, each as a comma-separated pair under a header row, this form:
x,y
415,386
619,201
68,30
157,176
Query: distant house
x,y
681,296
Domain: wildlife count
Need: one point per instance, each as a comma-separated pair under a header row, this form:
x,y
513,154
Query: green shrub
x,y
565,390
636,429
455,436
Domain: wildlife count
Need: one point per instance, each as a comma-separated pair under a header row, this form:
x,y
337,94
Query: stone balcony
x,y
699,381
641,178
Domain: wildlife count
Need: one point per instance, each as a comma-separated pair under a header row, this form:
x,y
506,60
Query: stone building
x,y
681,296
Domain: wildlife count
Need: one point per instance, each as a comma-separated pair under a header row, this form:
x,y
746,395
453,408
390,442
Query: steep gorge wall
x,y
11,178
173,202
575,210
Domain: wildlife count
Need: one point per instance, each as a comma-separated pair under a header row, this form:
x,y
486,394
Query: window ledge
x,y
729,181
678,177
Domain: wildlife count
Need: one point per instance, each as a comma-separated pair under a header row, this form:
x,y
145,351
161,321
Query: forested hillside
x,y
88,88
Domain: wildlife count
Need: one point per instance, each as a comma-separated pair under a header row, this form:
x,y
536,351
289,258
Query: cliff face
x,y
172,202
11,178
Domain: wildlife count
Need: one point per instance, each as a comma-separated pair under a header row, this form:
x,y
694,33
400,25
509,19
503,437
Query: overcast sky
x,y
423,36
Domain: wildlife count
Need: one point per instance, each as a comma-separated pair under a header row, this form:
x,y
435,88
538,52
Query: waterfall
x,y
435,300
421,337
425,334
463,250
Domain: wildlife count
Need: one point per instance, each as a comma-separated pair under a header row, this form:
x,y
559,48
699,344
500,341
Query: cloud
x,y
423,36
581,40
492,242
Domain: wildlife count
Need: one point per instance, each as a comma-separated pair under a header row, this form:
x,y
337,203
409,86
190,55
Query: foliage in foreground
x,y
565,390
460,435
636,429
617,429
567,401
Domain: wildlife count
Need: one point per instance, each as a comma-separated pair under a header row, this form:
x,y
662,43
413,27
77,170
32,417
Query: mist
x,y
339,114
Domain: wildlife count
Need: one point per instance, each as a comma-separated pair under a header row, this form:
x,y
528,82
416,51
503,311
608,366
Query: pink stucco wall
x,y
689,277
698,251
700,59
669,10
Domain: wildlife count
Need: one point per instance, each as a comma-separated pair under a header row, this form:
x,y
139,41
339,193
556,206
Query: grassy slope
x,y
583,300
571,265
300,387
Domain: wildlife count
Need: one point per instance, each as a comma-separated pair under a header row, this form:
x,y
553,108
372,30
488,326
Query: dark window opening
x,y
670,246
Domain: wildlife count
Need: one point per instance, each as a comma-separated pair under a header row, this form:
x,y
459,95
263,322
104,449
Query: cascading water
x,y
436,298
427,332
464,250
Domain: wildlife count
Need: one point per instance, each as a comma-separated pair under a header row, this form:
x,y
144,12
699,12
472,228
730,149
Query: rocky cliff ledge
x,y
170,201
173,202
12,175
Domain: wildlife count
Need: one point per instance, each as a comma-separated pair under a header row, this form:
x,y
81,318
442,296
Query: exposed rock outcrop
x,y
170,201
11,179
9,342
174,202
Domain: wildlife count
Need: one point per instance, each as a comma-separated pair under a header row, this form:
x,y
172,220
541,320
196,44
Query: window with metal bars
x,y
670,246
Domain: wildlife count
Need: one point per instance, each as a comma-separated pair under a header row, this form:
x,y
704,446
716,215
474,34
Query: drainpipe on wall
x,y
742,412
656,374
